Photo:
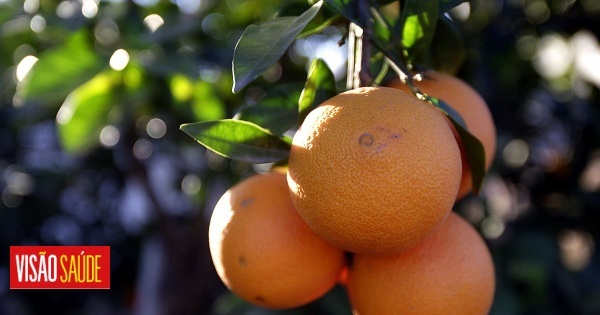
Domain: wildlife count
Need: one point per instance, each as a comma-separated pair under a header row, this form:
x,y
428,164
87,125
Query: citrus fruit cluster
x,y
373,172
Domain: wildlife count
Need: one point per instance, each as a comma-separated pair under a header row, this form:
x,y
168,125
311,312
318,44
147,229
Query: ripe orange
x,y
473,109
263,250
449,273
374,170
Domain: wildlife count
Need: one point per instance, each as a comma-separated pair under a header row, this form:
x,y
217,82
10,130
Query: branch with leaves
x,y
407,40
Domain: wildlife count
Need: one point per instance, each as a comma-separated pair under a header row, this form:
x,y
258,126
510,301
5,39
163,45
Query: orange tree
x,y
384,39
378,36
390,39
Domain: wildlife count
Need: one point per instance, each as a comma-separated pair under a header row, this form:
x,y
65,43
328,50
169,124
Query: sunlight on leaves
x,y
62,69
418,21
85,113
239,140
197,98
262,45
277,111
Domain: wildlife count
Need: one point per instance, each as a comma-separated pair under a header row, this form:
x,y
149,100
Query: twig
x,y
351,57
407,79
364,76
358,52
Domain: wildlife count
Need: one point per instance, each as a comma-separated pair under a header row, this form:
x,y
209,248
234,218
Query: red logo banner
x,y
60,267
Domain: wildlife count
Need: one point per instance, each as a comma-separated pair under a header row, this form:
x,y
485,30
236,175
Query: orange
x,y
374,170
473,109
449,273
264,252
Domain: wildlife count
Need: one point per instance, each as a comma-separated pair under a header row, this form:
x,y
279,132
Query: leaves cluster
x,y
175,70
405,36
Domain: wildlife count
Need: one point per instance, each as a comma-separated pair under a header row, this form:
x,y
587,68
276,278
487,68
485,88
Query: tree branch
x,y
364,76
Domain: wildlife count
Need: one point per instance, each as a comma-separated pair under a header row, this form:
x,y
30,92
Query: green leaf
x,y
384,38
277,111
347,8
86,111
196,98
417,23
7,12
262,45
319,87
239,140
473,147
382,30
447,47
446,5
61,69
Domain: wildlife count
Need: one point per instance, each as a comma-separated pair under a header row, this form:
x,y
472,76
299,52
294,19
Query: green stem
x,y
331,21
382,73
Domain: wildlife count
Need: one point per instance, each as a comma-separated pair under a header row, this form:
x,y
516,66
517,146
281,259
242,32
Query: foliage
x,y
261,46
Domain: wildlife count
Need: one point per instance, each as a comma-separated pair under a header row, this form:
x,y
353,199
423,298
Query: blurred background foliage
x,y
93,92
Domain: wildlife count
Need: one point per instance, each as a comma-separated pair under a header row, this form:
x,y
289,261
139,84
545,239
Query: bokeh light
x,y
587,56
153,22
142,149
119,59
156,128
31,6
188,6
107,32
89,9
537,10
554,56
109,136
66,9
576,249
516,153
19,183
590,177
38,23
191,184
24,67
